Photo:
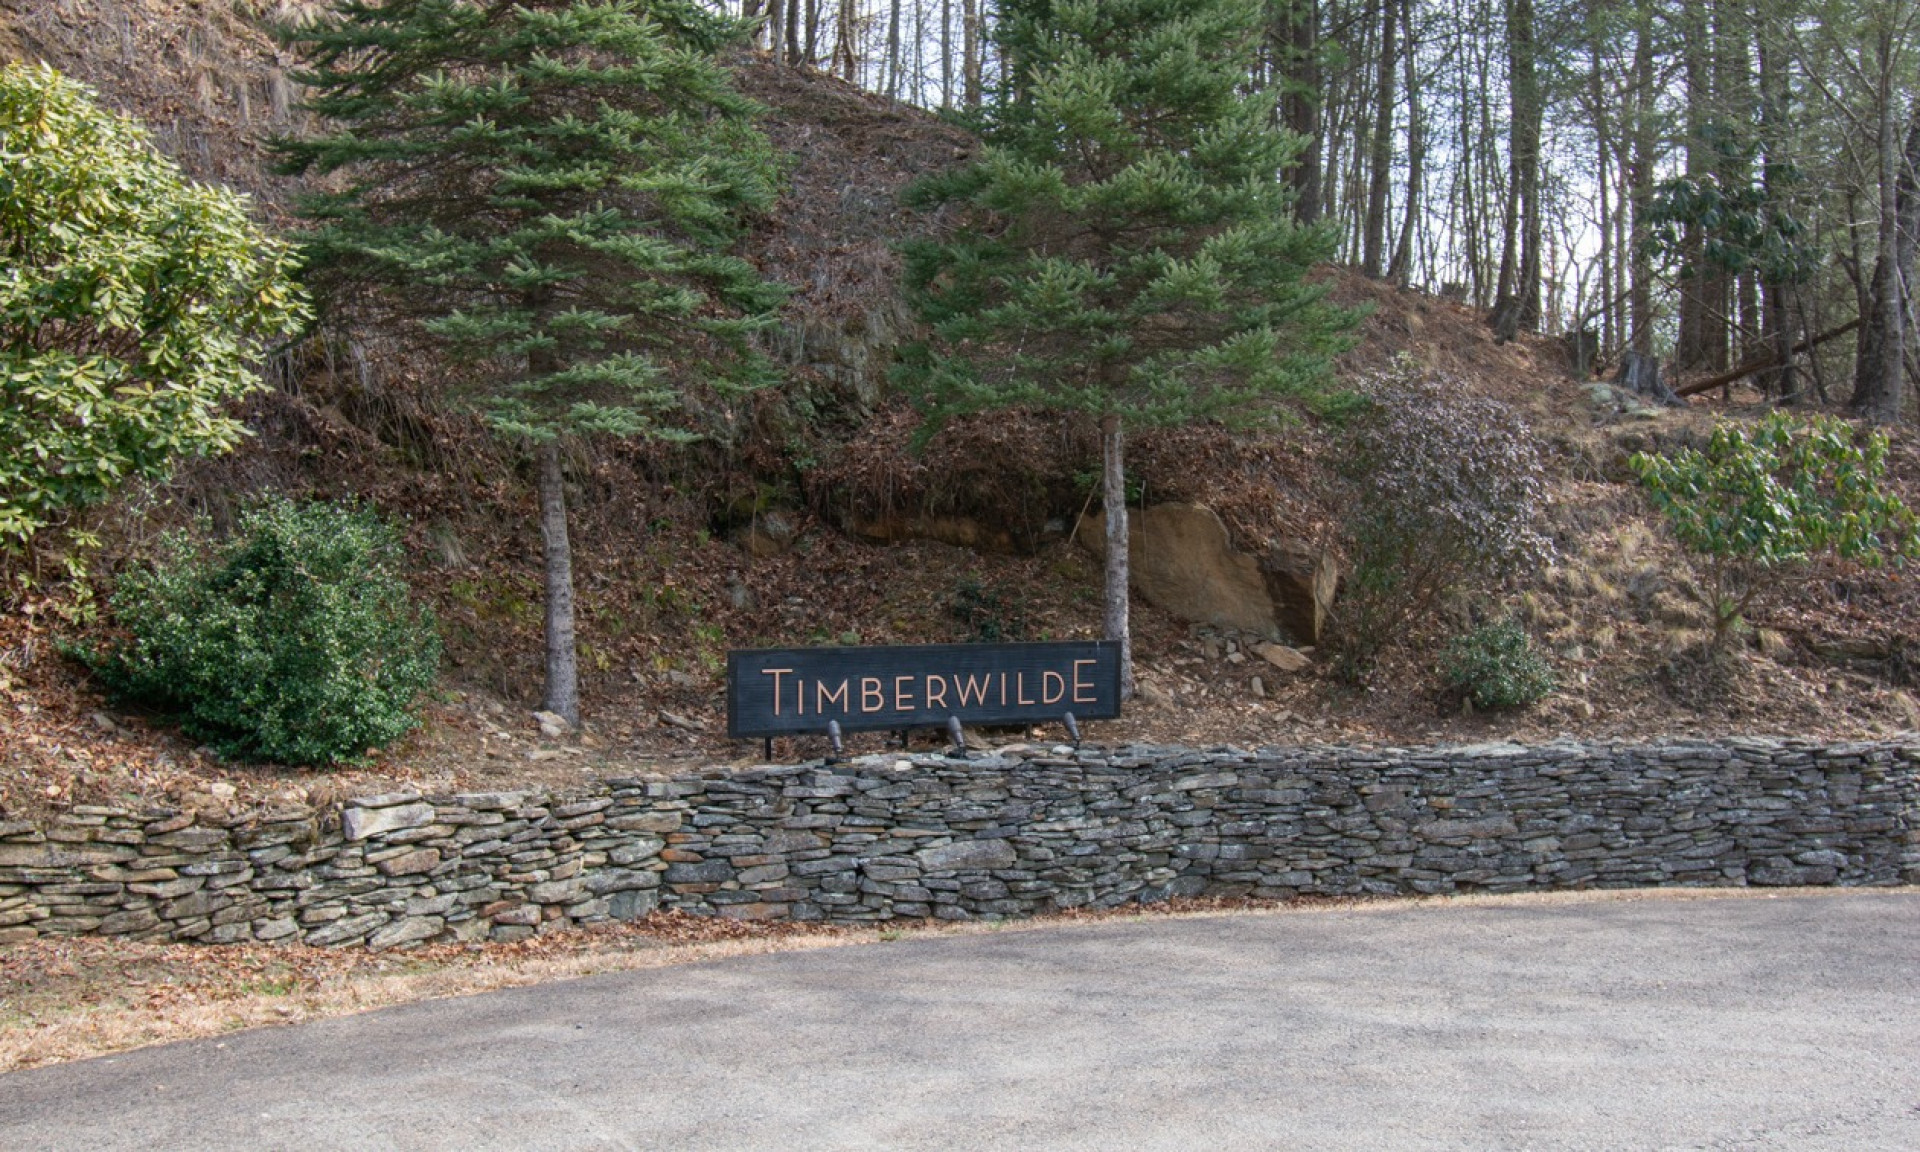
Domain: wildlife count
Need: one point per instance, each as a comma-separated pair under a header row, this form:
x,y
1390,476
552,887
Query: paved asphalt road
x,y
1789,1023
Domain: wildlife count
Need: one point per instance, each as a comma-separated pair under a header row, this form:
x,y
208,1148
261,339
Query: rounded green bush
x,y
1495,667
291,641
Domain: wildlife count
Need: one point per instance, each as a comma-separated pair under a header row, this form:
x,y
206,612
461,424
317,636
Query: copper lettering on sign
x,y
776,673
898,693
973,689
795,690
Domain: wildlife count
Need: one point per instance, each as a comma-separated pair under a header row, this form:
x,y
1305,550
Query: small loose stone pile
x,y
1023,831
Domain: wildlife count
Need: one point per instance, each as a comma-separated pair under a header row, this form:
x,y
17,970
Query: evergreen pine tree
x,y
1126,247
548,191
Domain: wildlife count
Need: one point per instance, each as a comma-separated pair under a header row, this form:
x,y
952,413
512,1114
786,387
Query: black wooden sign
x,y
789,691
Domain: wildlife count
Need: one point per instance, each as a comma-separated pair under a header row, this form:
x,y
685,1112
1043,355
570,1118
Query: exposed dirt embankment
x,y
204,76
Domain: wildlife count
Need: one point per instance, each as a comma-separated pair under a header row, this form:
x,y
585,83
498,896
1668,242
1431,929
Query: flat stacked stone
x,y
1014,834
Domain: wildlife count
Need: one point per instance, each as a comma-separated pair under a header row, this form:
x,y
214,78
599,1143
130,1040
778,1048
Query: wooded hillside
x,y
1519,199
1709,184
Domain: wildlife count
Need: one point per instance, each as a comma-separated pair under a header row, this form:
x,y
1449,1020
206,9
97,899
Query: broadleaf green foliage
x,y
133,304
1761,502
1495,666
1439,491
292,641
1123,244
1742,228
549,190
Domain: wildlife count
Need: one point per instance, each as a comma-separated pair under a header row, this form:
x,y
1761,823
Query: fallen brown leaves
x,y
69,999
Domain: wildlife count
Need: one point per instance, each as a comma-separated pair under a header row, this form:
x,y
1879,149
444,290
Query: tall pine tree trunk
x,y
1879,392
1699,283
1640,172
1729,297
1113,482
1517,303
563,669
1528,111
1296,45
1776,321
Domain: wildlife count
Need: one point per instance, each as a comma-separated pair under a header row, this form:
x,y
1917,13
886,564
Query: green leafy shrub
x,y
1439,490
1495,666
132,304
1760,503
291,641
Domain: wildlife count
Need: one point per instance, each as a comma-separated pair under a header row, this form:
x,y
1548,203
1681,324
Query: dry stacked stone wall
x,y
1017,833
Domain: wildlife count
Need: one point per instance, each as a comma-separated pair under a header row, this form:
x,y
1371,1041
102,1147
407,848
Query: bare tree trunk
x,y
1380,155
846,54
1516,305
972,49
1296,46
1400,269
1703,287
1907,241
946,53
749,10
1776,324
1113,483
917,83
1731,298
1599,102
1471,210
1879,390
1492,188
1528,112
1640,184
895,64
563,668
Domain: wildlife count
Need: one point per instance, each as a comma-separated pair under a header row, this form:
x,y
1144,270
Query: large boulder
x,y
1181,560
1302,580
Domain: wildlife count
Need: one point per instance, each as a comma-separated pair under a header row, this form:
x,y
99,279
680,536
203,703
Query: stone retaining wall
x,y
1019,833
